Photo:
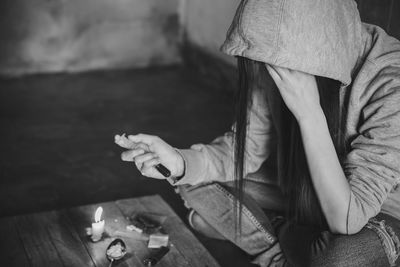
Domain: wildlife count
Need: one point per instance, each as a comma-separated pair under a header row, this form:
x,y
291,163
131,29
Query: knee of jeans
x,y
185,192
334,250
332,253
182,191
388,238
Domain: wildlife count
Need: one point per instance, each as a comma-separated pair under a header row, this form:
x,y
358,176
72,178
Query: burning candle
x,y
98,225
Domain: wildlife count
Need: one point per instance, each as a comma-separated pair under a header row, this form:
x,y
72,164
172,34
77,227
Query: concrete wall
x,y
207,22
73,35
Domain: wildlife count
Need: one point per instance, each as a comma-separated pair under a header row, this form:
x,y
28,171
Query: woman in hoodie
x,y
309,173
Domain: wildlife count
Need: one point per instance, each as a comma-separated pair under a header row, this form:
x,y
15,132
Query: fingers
x,y
148,166
273,72
130,155
141,159
143,138
143,141
282,72
143,146
141,152
124,142
145,164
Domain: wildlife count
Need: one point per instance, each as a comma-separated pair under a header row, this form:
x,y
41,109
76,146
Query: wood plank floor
x,y
59,238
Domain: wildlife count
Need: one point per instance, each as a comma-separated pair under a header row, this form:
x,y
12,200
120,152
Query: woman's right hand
x,y
146,151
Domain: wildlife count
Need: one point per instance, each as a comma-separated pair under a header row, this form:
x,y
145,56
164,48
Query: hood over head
x,y
320,37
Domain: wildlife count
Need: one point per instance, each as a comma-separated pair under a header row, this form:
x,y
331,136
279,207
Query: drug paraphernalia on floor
x,y
155,256
158,240
130,234
132,228
88,231
149,223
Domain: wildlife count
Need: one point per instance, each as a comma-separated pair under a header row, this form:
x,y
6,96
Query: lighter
x,y
155,256
163,170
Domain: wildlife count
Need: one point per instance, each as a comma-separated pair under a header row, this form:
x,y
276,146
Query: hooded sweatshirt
x,y
324,38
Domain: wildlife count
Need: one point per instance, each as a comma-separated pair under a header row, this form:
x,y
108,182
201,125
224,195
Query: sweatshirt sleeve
x,y
214,161
373,163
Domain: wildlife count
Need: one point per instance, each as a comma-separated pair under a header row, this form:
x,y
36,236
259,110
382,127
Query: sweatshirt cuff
x,y
192,161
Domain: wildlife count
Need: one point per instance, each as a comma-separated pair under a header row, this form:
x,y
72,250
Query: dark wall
x,y
384,13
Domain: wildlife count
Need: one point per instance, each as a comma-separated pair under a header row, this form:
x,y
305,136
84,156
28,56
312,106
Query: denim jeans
x,y
272,241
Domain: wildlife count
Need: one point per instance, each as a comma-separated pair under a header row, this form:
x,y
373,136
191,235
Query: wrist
x,y
181,164
316,116
180,171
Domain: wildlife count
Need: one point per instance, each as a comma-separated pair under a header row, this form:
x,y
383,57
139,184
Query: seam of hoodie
x,y
278,30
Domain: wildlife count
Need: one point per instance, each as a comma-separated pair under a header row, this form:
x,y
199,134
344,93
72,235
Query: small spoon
x,y
116,250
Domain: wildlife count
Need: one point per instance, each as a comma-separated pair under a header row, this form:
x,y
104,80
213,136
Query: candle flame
x,y
97,215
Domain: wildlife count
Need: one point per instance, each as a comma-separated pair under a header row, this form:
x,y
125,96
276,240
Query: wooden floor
x,y
56,136
59,238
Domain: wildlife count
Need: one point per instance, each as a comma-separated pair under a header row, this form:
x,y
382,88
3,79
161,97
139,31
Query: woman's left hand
x,y
299,91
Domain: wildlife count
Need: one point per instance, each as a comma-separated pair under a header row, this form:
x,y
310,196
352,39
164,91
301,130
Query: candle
x,y
98,225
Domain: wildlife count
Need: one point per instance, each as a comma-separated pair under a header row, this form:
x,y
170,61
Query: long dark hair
x,y
302,204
